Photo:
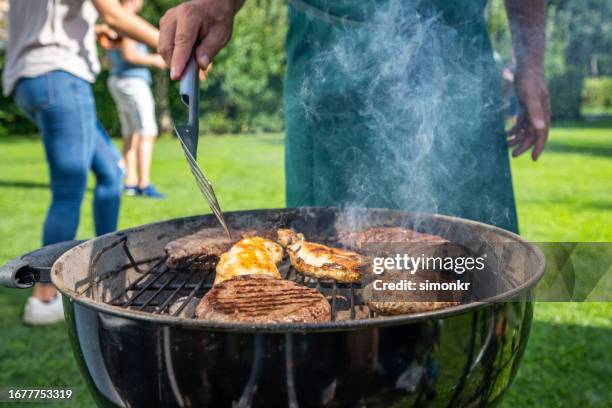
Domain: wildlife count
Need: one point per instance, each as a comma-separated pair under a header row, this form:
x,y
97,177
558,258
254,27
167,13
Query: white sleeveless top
x,y
49,35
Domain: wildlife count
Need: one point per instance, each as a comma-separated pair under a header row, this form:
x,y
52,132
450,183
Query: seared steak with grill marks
x,y
320,261
391,302
263,299
388,241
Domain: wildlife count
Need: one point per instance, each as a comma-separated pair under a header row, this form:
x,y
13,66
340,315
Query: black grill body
x,y
138,346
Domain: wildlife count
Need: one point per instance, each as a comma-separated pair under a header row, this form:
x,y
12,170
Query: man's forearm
x,y
527,19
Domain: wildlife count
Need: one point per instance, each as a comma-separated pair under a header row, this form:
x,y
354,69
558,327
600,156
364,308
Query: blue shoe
x,y
131,190
151,192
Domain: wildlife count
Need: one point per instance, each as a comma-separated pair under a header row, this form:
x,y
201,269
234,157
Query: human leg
x,y
145,117
61,106
145,157
130,156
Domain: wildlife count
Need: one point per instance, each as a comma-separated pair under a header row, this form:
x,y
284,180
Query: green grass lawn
x,y
566,196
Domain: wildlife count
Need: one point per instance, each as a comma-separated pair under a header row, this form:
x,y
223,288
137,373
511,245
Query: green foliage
x,y
244,90
597,94
579,32
579,40
497,25
245,85
243,93
12,120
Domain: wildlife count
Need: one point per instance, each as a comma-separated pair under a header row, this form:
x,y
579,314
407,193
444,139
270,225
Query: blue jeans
x,y
63,108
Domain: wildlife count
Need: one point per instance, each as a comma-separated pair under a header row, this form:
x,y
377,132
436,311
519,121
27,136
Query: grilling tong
x,y
188,133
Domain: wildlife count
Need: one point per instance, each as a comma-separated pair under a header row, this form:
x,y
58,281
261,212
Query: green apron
x,y
396,104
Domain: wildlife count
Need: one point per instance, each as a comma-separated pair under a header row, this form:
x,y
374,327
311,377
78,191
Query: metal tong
x,y
188,136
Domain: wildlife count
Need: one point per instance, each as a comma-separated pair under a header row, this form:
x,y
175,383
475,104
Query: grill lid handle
x,y
26,270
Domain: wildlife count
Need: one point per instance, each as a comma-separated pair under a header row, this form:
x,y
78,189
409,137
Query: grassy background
x,y
567,195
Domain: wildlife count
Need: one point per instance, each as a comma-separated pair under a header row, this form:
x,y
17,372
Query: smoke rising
x,y
405,95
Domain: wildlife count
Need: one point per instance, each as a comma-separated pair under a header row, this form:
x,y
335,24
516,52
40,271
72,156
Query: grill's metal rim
x,y
341,325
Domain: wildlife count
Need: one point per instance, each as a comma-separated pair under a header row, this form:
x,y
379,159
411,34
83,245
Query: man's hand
x,y
207,23
531,128
527,20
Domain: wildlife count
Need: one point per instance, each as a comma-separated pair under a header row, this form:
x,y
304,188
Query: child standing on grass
x,y
130,86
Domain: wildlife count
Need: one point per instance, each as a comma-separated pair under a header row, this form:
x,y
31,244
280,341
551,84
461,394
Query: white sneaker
x,y
38,313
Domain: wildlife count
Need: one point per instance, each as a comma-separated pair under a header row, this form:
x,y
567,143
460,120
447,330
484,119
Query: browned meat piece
x,y
202,249
263,299
199,250
250,256
357,239
362,312
389,241
320,261
392,302
399,308
286,237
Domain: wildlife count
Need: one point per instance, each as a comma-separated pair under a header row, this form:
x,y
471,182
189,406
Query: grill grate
x,y
162,290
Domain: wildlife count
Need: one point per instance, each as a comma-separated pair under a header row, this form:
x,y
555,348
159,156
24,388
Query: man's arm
x,y
527,19
208,23
127,23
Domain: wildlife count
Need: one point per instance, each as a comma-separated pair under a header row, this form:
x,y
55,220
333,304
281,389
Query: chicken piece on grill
x,y
320,261
250,256
263,299
286,237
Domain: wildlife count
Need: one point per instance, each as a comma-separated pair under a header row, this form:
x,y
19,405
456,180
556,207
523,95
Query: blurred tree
x,y
580,33
579,44
244,89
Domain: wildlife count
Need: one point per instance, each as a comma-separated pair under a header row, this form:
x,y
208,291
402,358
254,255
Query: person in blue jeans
x,y
72,147
51,63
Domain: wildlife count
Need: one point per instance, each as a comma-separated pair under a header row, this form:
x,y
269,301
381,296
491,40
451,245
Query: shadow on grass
x,y
23,184
28,185
564,365
600,151
590,123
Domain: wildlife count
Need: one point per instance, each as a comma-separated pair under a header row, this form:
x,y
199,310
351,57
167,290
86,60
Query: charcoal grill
x,y
131,323
161,290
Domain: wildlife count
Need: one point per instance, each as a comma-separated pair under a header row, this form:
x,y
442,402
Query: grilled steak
x,y
250,256
263,299
320,261
400,308
389,241
202,249
357,239
391,302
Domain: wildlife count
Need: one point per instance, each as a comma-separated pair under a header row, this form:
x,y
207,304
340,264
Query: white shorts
x,y
135,105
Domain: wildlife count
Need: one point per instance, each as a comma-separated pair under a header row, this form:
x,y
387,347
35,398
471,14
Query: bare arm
x,y
527,19
127,23
207,22
133,55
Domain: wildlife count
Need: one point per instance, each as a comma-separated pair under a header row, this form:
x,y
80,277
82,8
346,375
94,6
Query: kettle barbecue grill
x,y
132,327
